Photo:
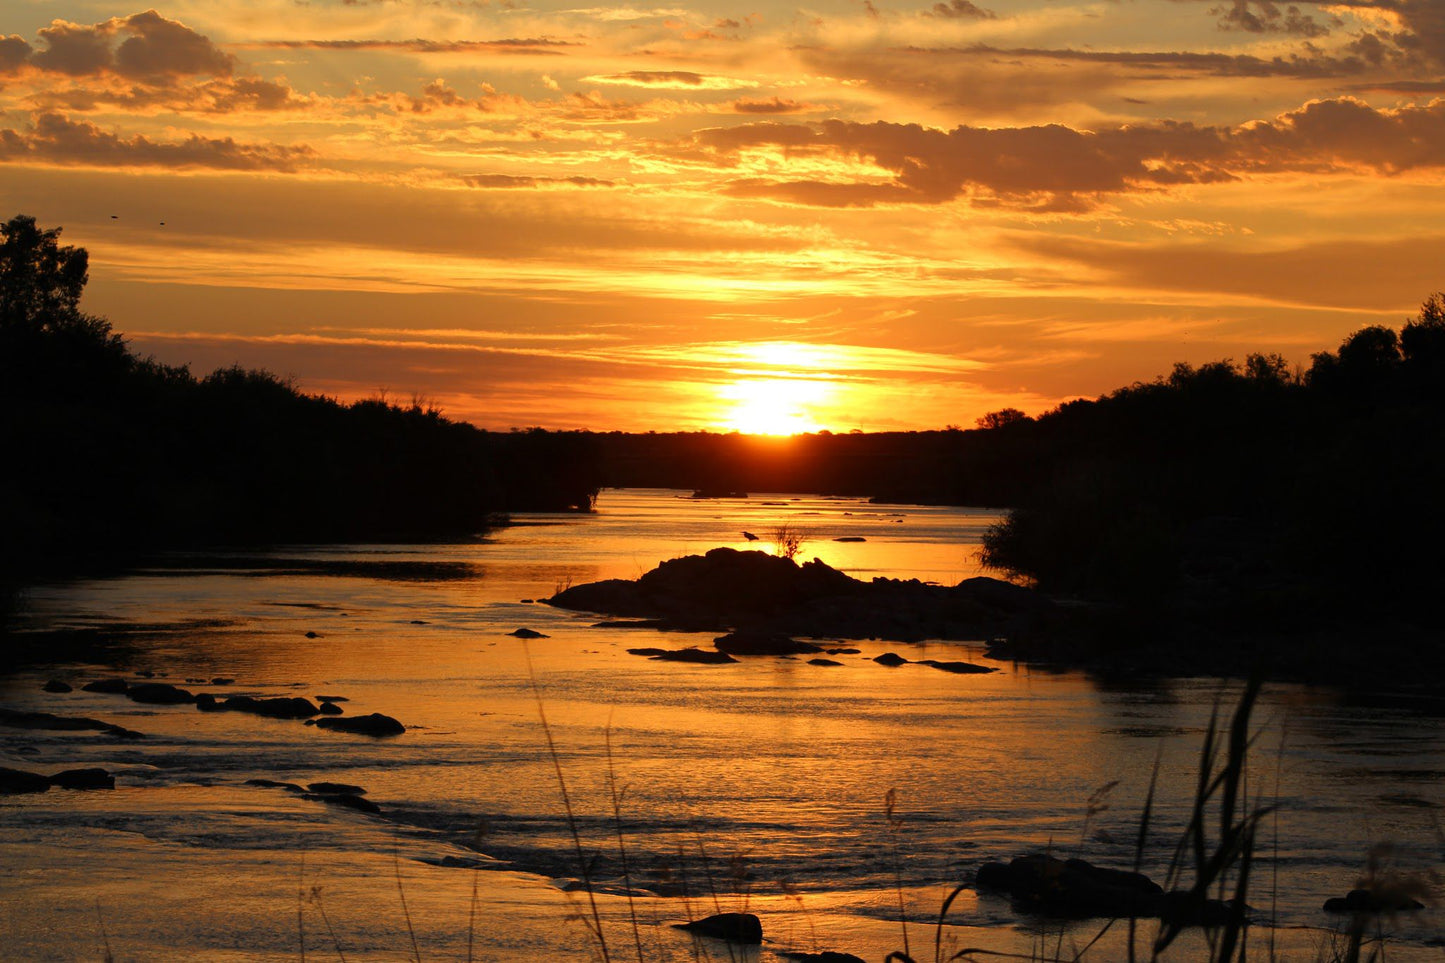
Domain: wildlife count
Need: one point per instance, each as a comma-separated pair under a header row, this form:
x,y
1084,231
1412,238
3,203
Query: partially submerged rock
x,y
344,788
274,784
756,591
159,693
83,779
827,663
108,686
1075,888
734,927
372,724
891,659
55,685
958,668
13,782
763,643
526,633
283,707
689,654
16,719
345,800
1372,901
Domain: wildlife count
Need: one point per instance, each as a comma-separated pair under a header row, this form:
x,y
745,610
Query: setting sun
x,y
777,406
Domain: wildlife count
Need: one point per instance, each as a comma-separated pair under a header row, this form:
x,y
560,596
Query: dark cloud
x,y
57,140
1265,16
1054,167
960,10
145,47
15,52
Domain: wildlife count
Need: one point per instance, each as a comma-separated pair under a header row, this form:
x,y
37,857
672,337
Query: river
x,y
759,785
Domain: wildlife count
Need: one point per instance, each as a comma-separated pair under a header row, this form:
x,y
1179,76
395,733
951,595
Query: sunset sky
x,y
863,214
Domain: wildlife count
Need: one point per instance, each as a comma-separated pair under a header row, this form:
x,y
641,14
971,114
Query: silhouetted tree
x,y
1004,416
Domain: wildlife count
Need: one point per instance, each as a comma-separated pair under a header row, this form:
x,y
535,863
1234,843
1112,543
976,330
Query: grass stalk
x,y
405,910
621,840
895,825
108,957
326,918
583,863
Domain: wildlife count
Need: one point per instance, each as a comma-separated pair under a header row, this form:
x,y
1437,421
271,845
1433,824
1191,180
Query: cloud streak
x,y
1059,168
55,139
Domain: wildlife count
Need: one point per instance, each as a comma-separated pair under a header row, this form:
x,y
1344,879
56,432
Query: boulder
x,y
526,633
332,698
734,927
891,659
207,703
108,686
762,643
83,779
824,662
16,781
330,709
223,680
159,693
55,685
373,724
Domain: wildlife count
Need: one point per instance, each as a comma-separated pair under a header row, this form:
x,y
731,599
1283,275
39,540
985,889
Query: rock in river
x,y
689,654
109,686
16,781
763,643
83,779
373,724
1370,901
159,693
734,927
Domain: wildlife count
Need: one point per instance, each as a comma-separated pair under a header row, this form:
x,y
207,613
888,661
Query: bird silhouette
x,y
750,536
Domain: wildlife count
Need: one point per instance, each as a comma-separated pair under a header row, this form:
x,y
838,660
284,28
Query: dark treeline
x,y
1247,490
111,454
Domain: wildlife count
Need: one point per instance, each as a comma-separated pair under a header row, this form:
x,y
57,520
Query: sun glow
x,y
774,406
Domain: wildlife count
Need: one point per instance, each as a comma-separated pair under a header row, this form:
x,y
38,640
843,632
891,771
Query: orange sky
x,y
769,217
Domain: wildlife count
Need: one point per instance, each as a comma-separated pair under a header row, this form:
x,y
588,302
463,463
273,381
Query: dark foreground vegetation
x,y
111,455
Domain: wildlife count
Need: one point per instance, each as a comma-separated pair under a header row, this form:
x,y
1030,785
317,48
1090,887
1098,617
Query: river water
x,y
760,785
